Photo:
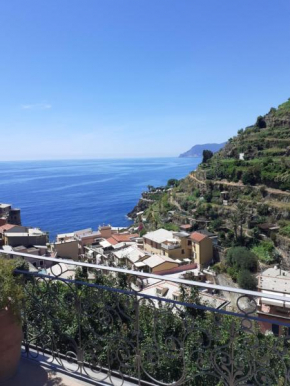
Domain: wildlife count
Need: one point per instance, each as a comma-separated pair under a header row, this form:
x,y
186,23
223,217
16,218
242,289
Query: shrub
x,y
246,280
242,258
11,292
232,272
265,251
261,122
206,155
285,231
172,182
263,210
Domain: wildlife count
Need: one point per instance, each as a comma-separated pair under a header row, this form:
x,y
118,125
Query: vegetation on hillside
x,y
259,154
236,192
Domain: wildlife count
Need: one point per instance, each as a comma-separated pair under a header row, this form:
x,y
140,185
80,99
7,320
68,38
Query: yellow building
x,y
68,249
158,263
175,245
202,249
180,246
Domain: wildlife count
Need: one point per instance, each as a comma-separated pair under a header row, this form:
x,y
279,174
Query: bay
x,y
66,195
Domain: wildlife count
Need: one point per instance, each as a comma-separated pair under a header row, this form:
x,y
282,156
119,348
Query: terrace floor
x,y
35,373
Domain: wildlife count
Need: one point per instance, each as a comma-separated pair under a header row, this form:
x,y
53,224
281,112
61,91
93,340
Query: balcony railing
x,y
112,329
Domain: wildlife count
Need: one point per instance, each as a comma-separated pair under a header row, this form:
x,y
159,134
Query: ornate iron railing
x,y
111,328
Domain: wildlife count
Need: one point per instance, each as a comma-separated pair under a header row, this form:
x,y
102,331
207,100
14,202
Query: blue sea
x,y
63,196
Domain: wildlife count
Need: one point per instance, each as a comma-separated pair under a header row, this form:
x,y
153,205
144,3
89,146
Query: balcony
x,y
170,246
110,331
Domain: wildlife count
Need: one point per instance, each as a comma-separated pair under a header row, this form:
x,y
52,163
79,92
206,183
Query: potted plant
x,y
11,294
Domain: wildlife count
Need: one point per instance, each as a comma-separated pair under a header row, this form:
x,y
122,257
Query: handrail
x,y
150,276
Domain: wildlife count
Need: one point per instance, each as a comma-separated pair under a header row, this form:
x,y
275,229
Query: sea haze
x,y
62,196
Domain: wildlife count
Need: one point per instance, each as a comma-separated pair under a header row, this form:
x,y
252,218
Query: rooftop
x,y
6,227
132,253
155,260
275,279
197,236
5,206
159,236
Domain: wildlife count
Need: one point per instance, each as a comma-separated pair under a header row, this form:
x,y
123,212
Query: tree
x,y
206,155
261,123
237,219
150,188
172,182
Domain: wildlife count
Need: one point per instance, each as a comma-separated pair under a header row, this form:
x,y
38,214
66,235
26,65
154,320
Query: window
x,y
182,251
188,242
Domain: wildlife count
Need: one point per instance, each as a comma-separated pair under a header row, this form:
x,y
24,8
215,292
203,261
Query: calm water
x,y
62,196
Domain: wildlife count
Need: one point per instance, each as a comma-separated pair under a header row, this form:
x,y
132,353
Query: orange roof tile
x,y
6,227
196,236
112,241
124,237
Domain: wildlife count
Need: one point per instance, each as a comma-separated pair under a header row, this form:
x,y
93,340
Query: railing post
x,y
137,329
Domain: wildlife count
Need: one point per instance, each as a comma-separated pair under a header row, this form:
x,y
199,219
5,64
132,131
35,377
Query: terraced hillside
x,y
260,154
241,193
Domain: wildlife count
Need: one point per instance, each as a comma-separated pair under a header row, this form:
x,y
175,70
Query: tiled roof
x,y
186,226
123,237
112,241
6,227
196,236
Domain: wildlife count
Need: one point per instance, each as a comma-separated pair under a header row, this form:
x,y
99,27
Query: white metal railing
x,y
191,283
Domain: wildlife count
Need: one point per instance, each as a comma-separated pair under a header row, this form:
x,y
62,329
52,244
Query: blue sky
x,y
125,78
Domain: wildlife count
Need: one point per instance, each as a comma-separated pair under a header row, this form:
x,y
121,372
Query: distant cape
x,y
196,150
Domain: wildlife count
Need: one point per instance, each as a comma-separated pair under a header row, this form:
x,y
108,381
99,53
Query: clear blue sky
x,y
125,78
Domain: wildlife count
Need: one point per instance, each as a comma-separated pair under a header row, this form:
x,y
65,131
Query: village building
x,y
171,290
274,281
15,235
67,249
9,215
202,249
156,263
180,246
130,257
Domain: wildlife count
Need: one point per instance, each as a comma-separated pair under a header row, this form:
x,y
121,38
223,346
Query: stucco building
x,y
180,246
274,281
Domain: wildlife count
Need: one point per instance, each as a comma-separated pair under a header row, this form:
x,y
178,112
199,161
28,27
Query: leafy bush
x,y
233,273
11,292
206,155
171,227
172,182
242,258
285,231
246,280
265,251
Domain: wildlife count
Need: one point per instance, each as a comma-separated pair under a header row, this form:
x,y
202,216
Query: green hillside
x,y
237,193
266,149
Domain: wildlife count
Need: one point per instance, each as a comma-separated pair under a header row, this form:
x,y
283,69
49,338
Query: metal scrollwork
x,y
110,333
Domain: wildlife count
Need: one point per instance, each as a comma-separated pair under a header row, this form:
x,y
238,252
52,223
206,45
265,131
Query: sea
x,y
67,195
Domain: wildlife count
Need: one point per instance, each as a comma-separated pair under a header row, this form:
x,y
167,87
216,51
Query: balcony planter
x,y
10,324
